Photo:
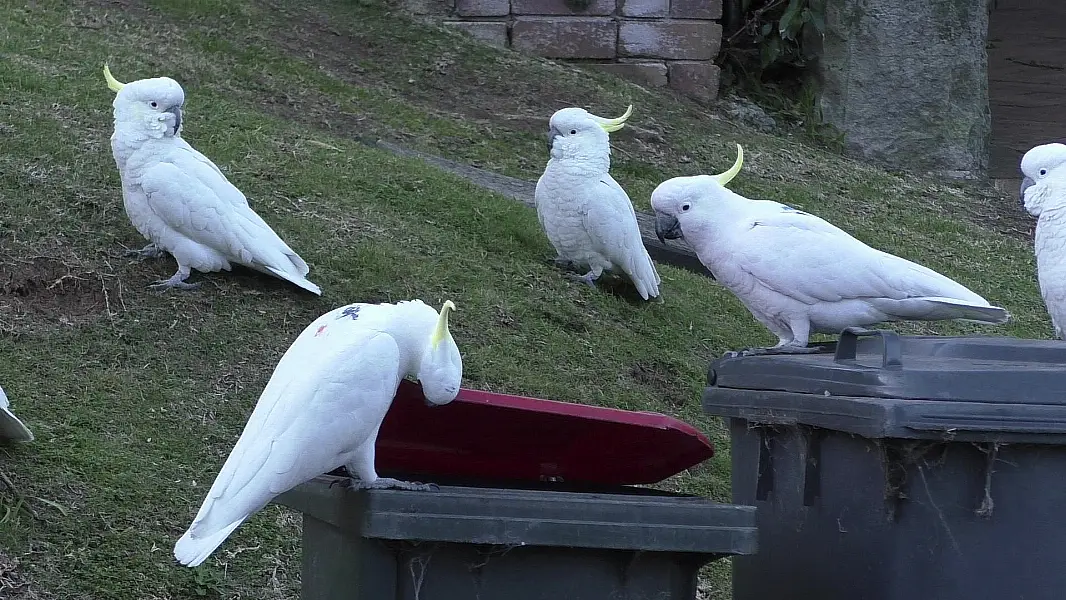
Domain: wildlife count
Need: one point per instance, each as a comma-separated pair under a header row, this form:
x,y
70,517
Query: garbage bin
x,y
536,501
900,467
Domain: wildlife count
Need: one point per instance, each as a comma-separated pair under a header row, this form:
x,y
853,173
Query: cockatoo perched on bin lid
x,y
586,215
179,200
322,409
798,274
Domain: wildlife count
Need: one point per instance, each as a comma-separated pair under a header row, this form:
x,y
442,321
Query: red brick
x,y
561,7
698,79
652,74
490,32
696,9
483,8
566,37
645,8
689,40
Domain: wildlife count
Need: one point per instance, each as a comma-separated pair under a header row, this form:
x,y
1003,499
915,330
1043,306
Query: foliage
x,y
778,33
768,46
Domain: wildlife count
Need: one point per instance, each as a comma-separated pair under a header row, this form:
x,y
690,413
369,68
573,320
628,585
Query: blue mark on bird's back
x,y
787,208
351,311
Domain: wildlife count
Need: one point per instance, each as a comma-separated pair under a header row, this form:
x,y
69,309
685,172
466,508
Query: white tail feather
x,y
11,428
296,279
191,551
941,309
645,277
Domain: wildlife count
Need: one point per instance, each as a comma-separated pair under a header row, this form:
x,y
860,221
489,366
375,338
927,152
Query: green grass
x,y
136,398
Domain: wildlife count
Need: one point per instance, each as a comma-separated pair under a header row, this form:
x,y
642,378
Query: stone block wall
x,y
655,43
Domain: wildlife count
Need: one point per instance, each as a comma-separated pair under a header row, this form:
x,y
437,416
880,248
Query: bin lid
x,y
496,437
882,382
510,517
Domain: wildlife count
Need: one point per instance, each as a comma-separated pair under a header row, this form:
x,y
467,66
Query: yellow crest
x,y
112,83
726,177
442,324
611,125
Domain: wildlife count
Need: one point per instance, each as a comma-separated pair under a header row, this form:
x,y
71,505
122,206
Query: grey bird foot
x,y
588,279
387,483
789,349
176,281
149,251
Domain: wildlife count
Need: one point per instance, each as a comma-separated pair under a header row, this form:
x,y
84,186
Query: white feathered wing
x,y
206,223
611,223
320,407
806,258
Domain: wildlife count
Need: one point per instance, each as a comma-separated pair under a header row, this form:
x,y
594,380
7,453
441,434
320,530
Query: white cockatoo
x,y
11,428
586,215
1043,194
798,274
322,409
179,200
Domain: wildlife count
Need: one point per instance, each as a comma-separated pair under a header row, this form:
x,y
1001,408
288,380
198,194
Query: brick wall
x,y
653,42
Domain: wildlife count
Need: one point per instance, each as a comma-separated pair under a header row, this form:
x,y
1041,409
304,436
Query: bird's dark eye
x,y
573,132
1043,172
686,206
153,104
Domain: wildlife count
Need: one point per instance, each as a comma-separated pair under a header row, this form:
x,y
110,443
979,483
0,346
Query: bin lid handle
x,y
892,348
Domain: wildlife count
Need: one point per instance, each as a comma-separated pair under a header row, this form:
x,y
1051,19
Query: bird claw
x,y
588,279
385,483
149,251
173,282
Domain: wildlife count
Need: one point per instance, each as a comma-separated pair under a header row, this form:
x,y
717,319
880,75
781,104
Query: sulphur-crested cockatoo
x,y
322,409
1043,194
798,274
586,215
11,428
179,200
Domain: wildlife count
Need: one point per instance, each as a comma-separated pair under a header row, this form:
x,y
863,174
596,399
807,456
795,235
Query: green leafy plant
x,y
774,32
767,49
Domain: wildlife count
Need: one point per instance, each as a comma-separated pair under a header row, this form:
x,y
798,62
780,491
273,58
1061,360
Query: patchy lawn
x,y
136,397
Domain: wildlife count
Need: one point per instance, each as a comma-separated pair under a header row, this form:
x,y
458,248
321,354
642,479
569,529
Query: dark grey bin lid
x,y
515,517
881,384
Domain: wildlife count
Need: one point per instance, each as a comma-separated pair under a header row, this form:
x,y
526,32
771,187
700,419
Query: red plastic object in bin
x,y
489,436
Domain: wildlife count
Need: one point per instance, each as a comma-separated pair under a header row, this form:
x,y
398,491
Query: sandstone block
x,y
698,79
561,7
483,8
645,8
895,108
490,32
696,9
684,40
566,37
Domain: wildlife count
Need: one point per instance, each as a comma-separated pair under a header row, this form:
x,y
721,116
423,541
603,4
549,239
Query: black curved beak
x,y
551,138
667,227
176,111
1026,183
